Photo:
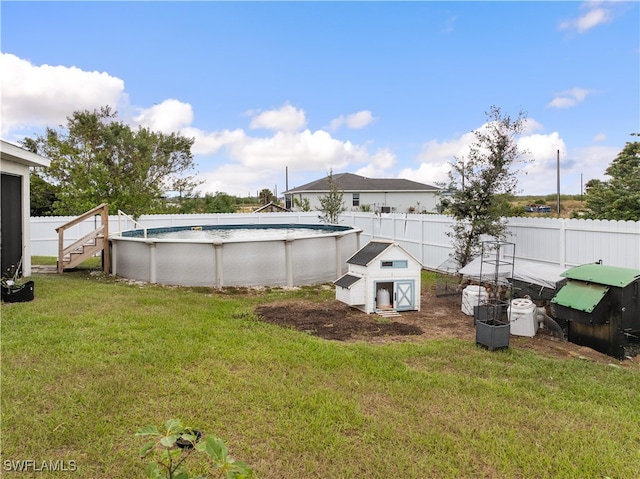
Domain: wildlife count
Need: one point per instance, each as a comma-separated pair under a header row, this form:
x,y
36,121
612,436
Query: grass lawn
x,y
91,360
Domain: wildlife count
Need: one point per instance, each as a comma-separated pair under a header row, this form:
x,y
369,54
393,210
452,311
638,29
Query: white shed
x,y
381,276
15,241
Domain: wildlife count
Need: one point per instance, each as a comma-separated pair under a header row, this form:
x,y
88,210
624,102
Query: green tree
x,y
266,196
479,180
96,159
331,204
43,194
303,203
219,203
619,197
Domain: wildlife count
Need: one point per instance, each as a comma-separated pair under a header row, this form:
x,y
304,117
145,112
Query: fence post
x,y
563,244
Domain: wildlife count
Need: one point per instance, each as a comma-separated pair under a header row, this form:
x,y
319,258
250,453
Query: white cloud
x,y
436,157
531,125
569,98
533,177
427,173
45,95
168,117
286,118
237,162
378,165
263,159
209,143
235,179
600,137
596,14
354,121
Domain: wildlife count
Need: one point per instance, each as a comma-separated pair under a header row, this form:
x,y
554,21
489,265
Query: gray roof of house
x,y
369,252
351,182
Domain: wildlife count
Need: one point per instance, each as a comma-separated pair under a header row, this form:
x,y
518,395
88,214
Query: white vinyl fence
x,y
563,242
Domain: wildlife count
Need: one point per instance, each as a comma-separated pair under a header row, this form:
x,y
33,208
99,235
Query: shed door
x,y
404,295
11,220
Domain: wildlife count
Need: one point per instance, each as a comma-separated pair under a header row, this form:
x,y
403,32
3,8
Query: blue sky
x,y
381,89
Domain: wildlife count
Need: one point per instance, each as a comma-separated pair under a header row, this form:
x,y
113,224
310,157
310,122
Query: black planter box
x,y
20,294
492,326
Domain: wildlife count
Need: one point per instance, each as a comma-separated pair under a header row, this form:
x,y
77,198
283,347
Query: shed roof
x,y
347,280
369,252
351,182
603,274
16,154
271,206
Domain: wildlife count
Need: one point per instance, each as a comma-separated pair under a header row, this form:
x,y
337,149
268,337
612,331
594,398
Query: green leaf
x,y
239,470
216,449
147,448
153,471
147,431
173,425
169,441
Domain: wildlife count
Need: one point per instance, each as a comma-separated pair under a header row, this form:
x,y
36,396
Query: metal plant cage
x,y
492,319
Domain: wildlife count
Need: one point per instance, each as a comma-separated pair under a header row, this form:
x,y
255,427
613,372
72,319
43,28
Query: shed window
x,y
396,263
356,199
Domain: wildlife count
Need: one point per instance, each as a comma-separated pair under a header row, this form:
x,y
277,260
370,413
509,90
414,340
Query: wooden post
x,y
60,249
104,216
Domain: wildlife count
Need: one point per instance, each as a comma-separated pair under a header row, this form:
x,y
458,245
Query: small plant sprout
x,y
173,445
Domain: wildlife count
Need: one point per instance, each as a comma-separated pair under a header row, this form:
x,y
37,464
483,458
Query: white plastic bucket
x,y
522,313
383,299
473,295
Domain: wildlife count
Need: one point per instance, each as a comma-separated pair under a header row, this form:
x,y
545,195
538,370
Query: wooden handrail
x,y
82,217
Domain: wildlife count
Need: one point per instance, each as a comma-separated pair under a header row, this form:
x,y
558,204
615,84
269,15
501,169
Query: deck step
x,y
387,313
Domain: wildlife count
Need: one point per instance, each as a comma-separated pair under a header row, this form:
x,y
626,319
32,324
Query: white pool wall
x,y
270,262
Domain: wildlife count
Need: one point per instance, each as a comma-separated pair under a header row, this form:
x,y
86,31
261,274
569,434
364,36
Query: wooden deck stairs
x,y
89,245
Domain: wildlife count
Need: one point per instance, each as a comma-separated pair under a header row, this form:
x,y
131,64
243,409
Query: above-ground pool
x,y
235,255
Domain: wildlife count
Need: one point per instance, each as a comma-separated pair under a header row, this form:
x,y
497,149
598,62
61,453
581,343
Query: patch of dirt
x,y
440,317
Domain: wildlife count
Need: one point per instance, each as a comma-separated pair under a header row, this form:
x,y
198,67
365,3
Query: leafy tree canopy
x,y
619,197
97,159
43,194
266,196
480,180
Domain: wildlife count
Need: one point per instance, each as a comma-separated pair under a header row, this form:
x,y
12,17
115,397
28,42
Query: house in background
x,y
15,240
380,195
